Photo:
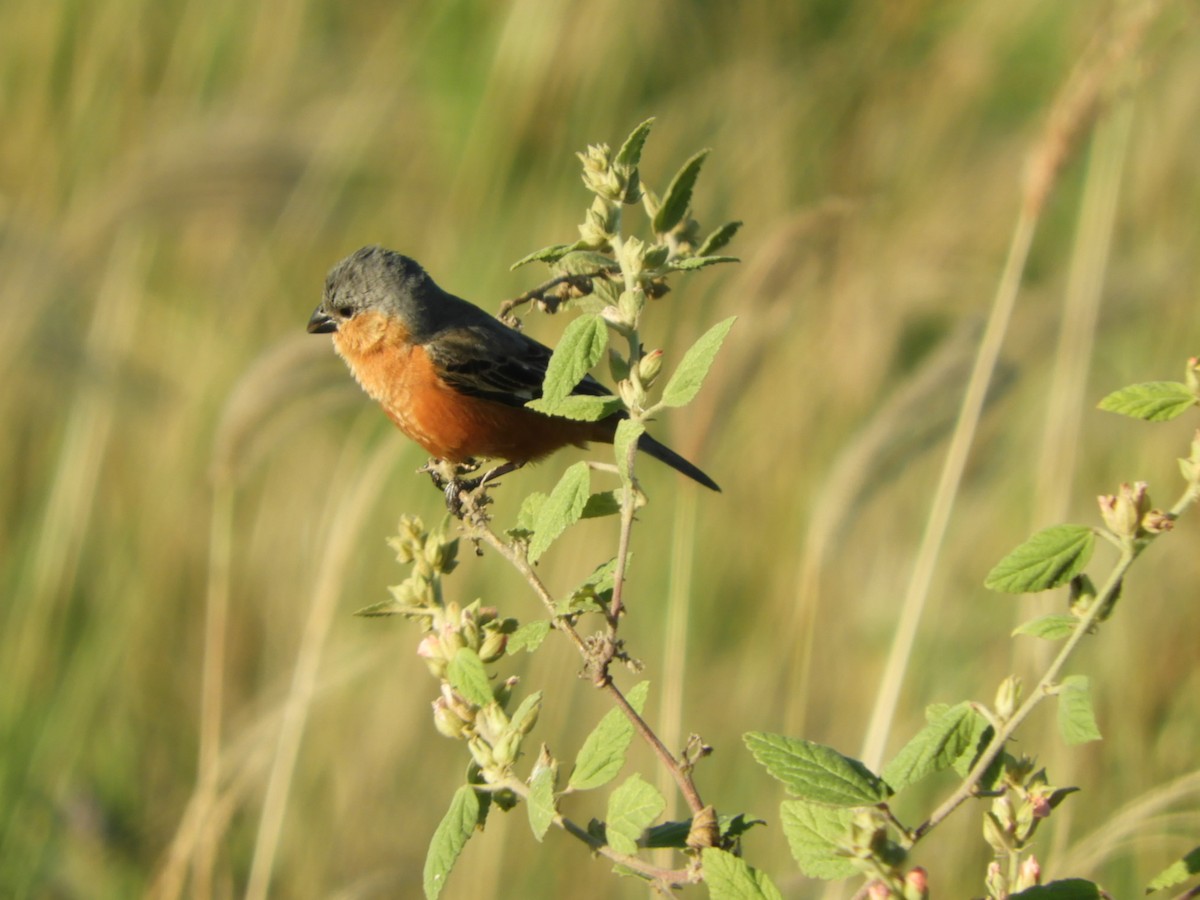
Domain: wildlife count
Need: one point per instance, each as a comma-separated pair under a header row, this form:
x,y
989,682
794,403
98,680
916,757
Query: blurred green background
x,y
176,179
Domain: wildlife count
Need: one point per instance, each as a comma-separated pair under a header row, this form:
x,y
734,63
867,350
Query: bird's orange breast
x,y
445,422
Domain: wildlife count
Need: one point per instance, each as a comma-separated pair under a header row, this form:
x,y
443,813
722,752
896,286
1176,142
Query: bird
x,y
452,377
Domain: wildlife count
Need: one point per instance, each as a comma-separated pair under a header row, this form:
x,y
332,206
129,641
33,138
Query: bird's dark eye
x,y
345,311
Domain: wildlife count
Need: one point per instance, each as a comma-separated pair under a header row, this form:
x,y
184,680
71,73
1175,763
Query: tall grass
x,y
194,498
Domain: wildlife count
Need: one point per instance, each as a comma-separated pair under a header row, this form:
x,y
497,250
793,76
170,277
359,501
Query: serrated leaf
x,y
630,153
546,254
1050,627
528,637
688,263
815,833
603,503
451,836
389,607
1050,558
581,346
585,262
591,591
686,380
1152,401
981,736
628,433
934,748
631,809
816,772
467,675
730,878
603,753
1176,873
530,507
561,510
1066,889
540,802
1076,720
718,238
580,407
679,195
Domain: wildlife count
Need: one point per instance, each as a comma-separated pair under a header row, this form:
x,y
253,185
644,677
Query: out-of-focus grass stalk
x,y
1070,118
342,537
68,509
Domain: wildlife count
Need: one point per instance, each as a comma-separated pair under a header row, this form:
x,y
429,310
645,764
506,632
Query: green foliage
x,y
679,195
731,878
462,818
563,508
935,747
602,755
540,802
1076,720
631,808
468,676
816,772
816,833
693,368
1050,558
1154,401
1052,627
582,344
1176,873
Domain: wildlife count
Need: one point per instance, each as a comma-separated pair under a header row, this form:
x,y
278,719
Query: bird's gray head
x,y
374,279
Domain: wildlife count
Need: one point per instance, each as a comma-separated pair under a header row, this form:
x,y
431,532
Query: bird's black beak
x,y
320,323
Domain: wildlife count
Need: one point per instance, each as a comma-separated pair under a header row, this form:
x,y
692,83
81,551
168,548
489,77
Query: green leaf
x,y
981,735
1177,872
718,238
815,833
562,509
581,346
628,433
528,637
687,378
1153,401
592,591
530,507
1066,889
631,809
451,836
630,153
580,407
603,753
1050,628
546,254
604,503
816,772
687,263
731,878
1076,720
586,262
467,675
1050,558
389,607
540,803
679,195
934,748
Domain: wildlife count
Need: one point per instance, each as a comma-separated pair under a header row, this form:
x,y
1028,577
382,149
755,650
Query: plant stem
x,y
1100,604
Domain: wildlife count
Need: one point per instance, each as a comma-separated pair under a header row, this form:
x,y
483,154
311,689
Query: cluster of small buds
x,y
1015,814
429,553
1128,515
915,886
600,175
872,850
477,628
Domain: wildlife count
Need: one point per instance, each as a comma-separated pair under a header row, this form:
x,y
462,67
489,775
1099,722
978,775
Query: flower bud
x,y
916,884
1123,513
1030,874
1156,522
878,890
506,749
1008,696
633,257
446,722
481,753
649,366
493,645
997,884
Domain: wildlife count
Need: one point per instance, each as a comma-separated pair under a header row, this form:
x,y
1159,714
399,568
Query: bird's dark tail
x,y
665,454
